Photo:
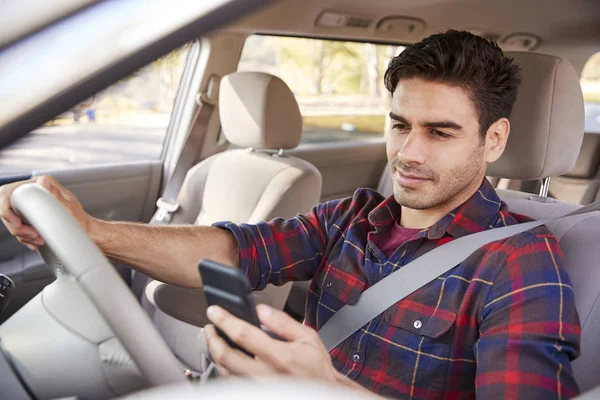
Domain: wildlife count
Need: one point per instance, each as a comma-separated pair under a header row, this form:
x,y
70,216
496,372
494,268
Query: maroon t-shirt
x,y
394,239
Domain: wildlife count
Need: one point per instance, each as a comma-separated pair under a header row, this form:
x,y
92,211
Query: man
x,y
502,324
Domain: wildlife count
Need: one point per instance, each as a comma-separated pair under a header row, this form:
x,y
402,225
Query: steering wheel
x,y
85,263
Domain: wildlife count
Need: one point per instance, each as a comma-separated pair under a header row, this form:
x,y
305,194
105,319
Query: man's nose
x,y
413,149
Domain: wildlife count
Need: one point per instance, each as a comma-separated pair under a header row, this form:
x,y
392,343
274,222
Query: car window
x,y
126,122
590,85
338,85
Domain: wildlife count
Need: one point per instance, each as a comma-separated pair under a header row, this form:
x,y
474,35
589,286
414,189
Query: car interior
x,y
263,156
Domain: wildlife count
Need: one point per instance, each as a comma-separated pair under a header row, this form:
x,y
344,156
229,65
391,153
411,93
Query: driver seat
x,y
547,127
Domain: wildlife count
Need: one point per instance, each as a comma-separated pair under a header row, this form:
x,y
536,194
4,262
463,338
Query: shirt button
x,y
418,324
356,358
328,284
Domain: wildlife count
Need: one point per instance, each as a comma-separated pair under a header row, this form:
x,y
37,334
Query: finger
x,y
30,239
223,372
25,239
244,334
232,360
48,183
26,231
29,245
282,324
274,353
37,242
9,217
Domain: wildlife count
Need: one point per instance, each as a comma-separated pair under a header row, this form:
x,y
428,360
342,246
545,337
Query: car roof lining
x,y
568,28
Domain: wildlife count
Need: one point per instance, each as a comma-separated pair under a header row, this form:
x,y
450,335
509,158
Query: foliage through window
x,y
126,122
338,85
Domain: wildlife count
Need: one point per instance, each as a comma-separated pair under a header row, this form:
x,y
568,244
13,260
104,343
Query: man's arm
x,y
283,250
529,327
167,253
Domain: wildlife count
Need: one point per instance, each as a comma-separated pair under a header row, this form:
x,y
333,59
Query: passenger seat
x,y
582,183
258,182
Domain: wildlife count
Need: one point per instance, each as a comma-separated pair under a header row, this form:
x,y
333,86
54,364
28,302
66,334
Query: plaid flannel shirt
x,y
501,325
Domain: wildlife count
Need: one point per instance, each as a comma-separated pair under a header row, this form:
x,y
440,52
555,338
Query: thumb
x,y
46,182
280,323
52,186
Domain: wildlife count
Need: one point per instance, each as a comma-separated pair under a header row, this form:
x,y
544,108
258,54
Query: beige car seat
x,y
257,182
547,125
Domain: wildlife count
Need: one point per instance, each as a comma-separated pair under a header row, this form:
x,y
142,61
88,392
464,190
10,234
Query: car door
x,y
108,150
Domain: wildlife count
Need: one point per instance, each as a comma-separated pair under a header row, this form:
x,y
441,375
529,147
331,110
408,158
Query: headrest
x,y
259,110
547,121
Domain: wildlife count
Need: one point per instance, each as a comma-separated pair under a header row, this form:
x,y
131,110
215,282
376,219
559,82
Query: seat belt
x,y
416,274
167,204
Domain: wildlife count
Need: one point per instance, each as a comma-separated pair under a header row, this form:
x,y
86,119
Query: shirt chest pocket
x,y
417,345
334,288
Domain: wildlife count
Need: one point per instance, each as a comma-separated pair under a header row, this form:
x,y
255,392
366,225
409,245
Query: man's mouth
x,y
407,179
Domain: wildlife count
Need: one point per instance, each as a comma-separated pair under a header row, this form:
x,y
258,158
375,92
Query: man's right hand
x,y
167,253
26,234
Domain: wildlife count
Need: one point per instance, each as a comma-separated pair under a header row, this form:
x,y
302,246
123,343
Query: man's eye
x,y
400,127
440,134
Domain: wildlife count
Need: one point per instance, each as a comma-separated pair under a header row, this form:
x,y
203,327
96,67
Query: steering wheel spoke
x,y
70,250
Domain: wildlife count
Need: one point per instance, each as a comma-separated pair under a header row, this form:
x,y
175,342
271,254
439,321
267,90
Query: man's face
x,y
434,145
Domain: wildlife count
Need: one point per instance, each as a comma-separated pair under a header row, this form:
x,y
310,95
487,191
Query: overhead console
x,y
397,28
409,29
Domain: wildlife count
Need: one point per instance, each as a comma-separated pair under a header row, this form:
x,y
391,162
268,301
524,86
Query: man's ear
x,y
495,139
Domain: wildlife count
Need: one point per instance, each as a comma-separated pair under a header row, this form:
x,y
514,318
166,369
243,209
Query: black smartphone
x,y
228,287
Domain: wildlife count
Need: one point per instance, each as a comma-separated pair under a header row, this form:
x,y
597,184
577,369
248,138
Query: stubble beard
x,y
440,189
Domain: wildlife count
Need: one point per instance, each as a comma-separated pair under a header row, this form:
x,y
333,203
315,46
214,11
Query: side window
x,y
590,85
338,85
125,122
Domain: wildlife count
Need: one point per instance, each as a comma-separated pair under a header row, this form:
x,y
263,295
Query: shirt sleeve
x,y
281,250
529,328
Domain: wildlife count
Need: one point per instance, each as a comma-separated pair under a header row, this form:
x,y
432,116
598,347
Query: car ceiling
x,y
568,28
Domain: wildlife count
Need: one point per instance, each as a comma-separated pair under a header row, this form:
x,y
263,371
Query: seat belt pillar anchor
x,y
165,210
211,94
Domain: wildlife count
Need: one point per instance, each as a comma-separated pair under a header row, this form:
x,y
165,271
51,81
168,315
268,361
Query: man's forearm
x,y
166,253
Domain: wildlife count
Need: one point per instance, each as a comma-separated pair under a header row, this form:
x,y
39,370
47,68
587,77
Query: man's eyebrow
x,y
443,124
398,118
431,124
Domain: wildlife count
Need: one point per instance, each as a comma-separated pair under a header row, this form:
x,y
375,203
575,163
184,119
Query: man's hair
x,y
461,59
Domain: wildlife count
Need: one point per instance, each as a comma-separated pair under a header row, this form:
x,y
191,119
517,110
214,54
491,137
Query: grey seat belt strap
x,y
167,204
416,274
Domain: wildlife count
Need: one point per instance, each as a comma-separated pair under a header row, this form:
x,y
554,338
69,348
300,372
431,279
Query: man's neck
x,y
414,219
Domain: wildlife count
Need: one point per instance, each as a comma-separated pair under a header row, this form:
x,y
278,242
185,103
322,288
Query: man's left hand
x,y
302,354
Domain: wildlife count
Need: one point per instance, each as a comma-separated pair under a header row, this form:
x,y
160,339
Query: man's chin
x,y
413,198
413,201
413,205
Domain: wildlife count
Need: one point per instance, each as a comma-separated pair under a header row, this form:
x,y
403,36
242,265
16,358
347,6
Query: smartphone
x,y
228,287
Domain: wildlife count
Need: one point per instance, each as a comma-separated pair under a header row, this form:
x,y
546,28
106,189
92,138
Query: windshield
x,y
92,49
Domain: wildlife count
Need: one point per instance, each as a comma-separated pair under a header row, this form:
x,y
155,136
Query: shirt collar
x,y
474,215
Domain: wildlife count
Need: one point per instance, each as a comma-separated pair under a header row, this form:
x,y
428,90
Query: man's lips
x,y
410,179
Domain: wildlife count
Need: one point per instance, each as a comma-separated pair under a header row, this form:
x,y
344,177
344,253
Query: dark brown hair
x,y
464,60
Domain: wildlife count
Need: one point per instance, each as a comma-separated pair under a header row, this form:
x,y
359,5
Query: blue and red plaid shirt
x,y
501,325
